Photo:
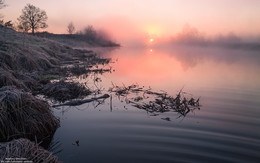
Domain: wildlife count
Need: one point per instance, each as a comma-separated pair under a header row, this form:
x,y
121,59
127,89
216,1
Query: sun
x,y
151,40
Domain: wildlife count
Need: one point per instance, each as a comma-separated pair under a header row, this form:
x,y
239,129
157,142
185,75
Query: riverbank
x,y
29,66
79,40
32,66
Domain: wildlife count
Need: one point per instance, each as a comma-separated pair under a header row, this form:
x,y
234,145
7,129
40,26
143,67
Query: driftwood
x,y
80,102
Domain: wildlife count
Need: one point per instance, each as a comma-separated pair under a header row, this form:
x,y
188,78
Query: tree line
x,y
33,18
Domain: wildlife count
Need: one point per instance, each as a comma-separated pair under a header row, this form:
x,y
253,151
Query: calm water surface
x,y
226,129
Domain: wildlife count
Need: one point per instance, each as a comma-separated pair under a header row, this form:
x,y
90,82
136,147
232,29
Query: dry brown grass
x,y
7,79
24,148
23,115
63,90
27,81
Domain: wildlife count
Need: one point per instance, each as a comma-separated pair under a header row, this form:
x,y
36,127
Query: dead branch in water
x,y
123,91
80,102
161,101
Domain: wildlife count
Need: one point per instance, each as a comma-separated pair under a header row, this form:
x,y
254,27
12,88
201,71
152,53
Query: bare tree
x,y
2,4
23,27
71,28
33,17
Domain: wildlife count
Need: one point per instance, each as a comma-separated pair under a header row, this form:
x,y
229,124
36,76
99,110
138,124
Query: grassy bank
x,y
28,64
78,40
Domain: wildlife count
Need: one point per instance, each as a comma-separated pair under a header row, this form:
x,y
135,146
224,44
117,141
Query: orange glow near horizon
x,y
154,30
151,40
132,19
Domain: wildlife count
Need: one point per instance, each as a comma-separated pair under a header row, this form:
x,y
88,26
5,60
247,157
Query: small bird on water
x,y
76,143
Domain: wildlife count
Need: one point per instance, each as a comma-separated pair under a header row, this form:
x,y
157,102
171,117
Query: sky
x,y
126,19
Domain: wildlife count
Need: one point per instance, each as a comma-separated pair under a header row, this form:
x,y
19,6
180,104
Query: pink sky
x,y
141,18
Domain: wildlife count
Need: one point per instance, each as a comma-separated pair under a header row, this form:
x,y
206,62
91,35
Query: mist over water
x,y
192,37
224,129
215,60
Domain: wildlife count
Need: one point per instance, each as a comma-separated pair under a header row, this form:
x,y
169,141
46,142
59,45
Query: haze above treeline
x,y
138,21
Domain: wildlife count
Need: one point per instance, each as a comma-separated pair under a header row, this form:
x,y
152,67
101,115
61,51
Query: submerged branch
x,y
80,102
161,101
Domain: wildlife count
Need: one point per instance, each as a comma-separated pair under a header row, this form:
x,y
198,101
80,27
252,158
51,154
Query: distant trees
x,y
190,35
90,33
32,18
71,28
96,37
9,24
2,4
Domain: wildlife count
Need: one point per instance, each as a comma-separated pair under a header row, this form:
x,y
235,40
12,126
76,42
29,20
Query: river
x,y
225,129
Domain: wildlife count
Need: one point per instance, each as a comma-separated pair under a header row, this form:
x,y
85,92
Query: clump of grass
x,y
31,81
24,148
7,60
23,80
49,76
7,79
63,90
23,115
97,60
78,70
